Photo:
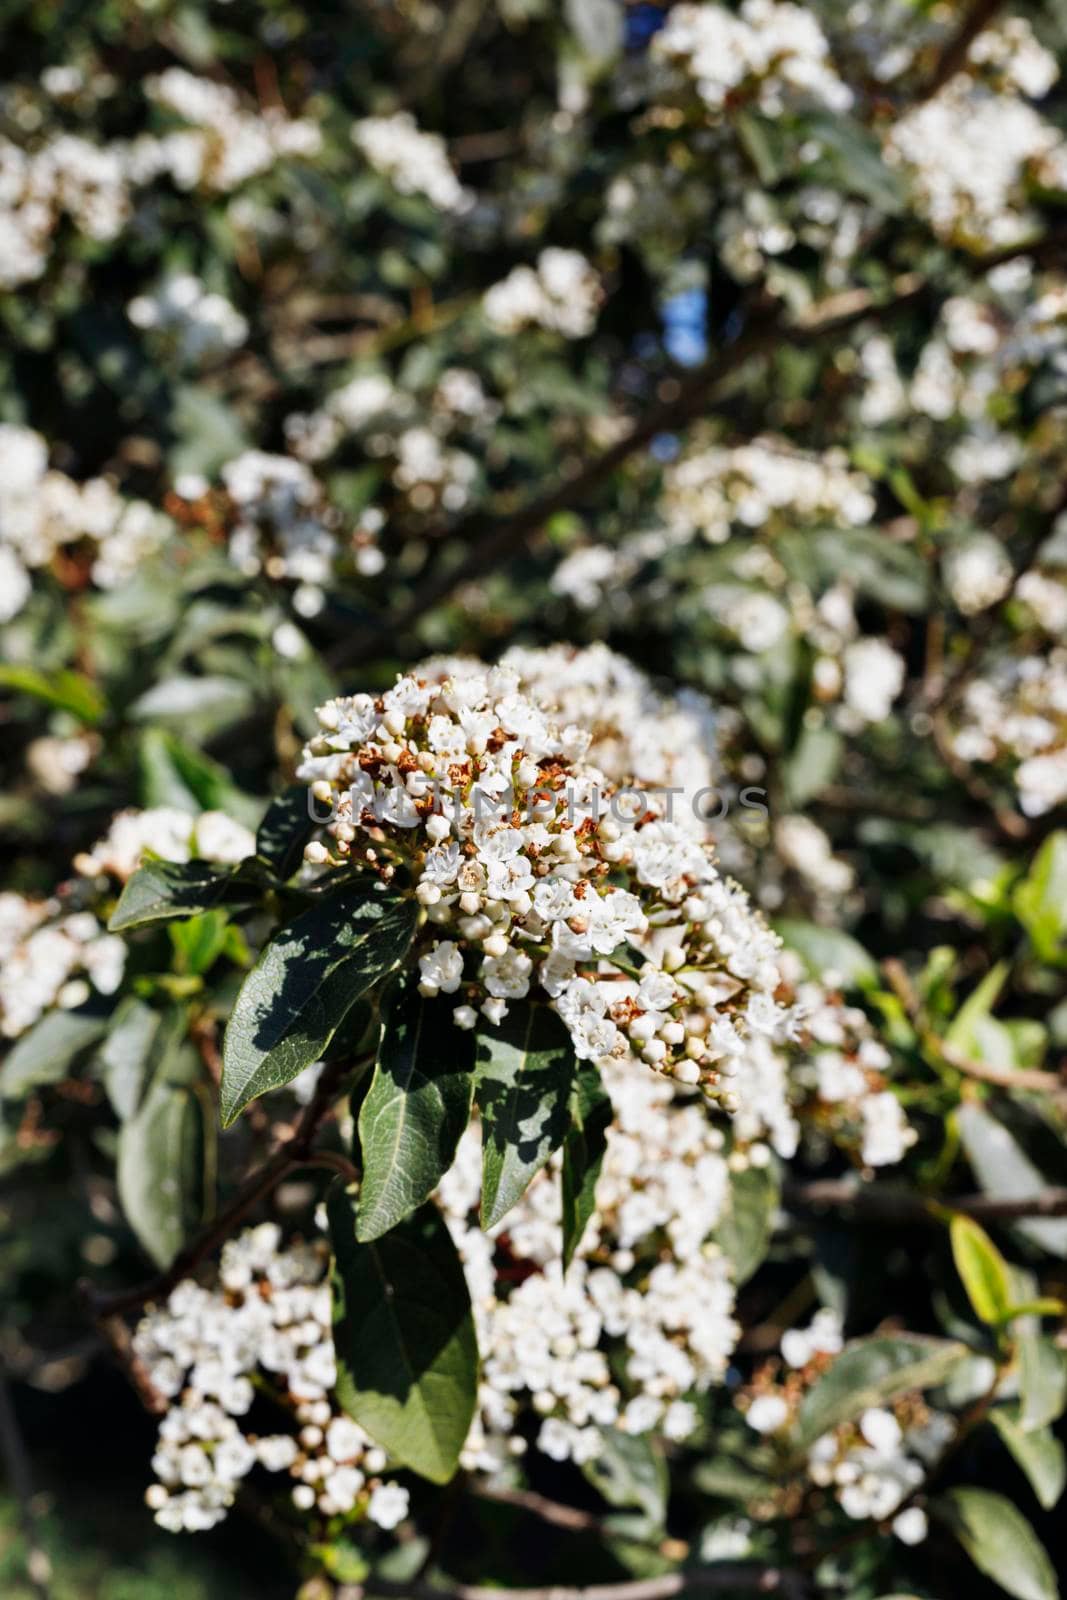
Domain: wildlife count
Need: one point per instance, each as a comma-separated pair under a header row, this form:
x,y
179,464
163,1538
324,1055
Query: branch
x,y
741,1577
954,55
502,538
20,1483
885,1202
294,1152
493,539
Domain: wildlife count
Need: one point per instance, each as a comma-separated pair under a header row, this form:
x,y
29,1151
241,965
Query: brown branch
x,y
974,21
492,539
20,1483
886,1202
292,1153
1028,1078
504,537
736,1577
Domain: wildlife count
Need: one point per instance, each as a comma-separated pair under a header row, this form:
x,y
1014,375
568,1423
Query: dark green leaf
x,y
825,950
304,985
999,1541
584,1149
525,1070
1038,1453
161,891
870,1372
407,1357
416,1108
165,1163
1042,1380
628,1470
744,1233
46,1052
284,831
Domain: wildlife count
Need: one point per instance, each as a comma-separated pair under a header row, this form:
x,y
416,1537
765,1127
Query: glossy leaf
x,y
416,1108
407,1356
870,1372
162,891
303,986
982,1269
1038,1453
584,1149
999,1541
165,1161
524,1075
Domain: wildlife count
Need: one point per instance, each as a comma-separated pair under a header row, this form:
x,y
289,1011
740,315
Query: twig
x,y
974,21
740,1577
1029,1078
20,1482
551,1511
291,1154
886,1202
492,538
506,535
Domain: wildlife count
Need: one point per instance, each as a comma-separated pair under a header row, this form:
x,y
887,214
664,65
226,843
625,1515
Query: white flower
x,y
767,1413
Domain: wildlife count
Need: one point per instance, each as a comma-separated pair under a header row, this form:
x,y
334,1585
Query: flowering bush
x,y
533,606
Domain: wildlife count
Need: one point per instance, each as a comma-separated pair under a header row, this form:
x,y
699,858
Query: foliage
x,y
533,605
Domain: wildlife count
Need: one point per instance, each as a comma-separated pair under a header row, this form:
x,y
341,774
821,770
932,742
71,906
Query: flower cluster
x,y
413,161
543,873
983,203
267,1319
642,1319
46,517
875,1464
714,488
56,952
218,145
51,957
199,325
1017,713
562,294
770,55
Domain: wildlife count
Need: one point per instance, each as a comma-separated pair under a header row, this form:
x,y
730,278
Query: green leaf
x,y
982,1269
63,690
1003,1167
525,1070
174,774
731,1480
417,1106
999,1541
744,1233
871,1372
162,891
45,1053
584,1149
824,950
139,1047
166,1156
628,1470
1040,901
304,985
1042,1381
1038,1452
962,1035
205,705
813,763
199,942
407,1357
284,831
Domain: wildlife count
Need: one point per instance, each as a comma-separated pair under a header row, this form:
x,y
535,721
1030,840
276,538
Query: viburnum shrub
x,y
533,664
